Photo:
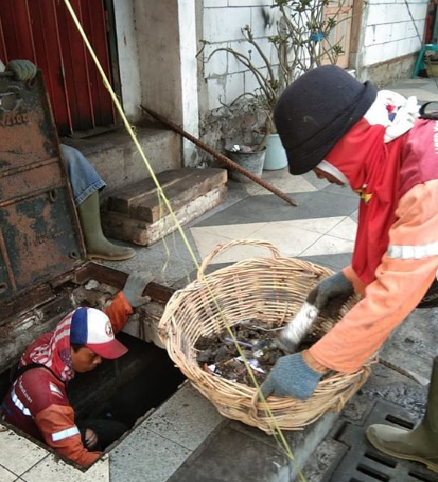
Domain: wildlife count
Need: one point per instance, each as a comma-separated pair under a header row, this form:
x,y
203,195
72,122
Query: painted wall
x,y
157,57
226,78
392,29
387,32
392,33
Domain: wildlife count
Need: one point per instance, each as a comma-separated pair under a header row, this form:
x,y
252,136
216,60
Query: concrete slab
x,y
238,452
425,89
116,159
18,454
6,475
259,209
180,420
231,455
52,468
145,456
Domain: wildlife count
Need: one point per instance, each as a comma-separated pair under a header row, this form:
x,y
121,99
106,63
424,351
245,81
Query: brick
x,y
244,47
224,24
218,63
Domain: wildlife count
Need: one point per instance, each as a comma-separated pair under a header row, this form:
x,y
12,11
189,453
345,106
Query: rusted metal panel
x,y
39,230
39,278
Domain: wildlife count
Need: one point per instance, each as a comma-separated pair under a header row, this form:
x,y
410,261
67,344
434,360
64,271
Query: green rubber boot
x,y
98,247
420,444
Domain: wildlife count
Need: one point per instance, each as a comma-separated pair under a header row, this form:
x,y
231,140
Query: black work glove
x,y
331,293
134,287
23,69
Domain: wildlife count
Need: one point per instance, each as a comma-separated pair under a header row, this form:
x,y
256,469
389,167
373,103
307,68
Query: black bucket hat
x,y
316,110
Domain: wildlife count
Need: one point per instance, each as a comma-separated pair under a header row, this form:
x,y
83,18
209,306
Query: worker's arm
x,y
403,277
57,426
130,297
118,312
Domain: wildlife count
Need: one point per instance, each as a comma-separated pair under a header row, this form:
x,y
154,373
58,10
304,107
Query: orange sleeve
x,y
57,426
407,270
118,312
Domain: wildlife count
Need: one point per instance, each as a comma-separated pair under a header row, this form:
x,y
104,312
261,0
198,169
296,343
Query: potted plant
x,y
303,41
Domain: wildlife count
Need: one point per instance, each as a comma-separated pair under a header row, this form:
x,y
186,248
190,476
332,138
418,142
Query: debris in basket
x,y
219,356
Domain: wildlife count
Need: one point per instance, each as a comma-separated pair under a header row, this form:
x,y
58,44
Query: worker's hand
x,y
91,439
331,293
291,377
23,69
134,287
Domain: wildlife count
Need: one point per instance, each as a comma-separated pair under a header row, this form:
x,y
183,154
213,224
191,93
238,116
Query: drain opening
x,y
122,390
399,421
372,473
422,477
381,459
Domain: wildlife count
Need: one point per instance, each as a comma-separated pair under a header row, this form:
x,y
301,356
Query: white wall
x,y
222,23
128,57
157,58
389,30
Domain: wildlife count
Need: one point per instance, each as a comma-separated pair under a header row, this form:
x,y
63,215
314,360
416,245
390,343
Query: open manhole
x,y
125,390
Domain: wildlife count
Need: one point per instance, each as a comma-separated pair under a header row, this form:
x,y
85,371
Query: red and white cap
x,y
92,328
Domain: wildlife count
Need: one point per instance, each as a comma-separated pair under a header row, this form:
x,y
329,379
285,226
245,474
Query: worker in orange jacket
x,y
37,402
374,142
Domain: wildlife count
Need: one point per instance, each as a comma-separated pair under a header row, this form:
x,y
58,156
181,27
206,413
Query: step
x,y
134,213
116,159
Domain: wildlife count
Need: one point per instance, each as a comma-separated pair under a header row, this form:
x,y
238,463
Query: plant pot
x,y
275,154
252,161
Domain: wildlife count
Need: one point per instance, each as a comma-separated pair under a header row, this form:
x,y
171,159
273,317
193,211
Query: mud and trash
x,y
220,356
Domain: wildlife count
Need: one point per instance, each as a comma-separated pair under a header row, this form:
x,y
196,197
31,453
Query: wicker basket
x,y
270,289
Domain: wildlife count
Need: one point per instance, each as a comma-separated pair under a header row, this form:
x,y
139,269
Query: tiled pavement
x,y
320,229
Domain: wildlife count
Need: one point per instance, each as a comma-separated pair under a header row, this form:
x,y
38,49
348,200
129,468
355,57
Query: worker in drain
x,y
86,185
375,143
37,402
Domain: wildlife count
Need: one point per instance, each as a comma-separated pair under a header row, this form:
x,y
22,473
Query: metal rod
x,y
218,156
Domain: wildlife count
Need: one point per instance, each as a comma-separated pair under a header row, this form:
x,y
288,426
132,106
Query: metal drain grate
x,y
363,463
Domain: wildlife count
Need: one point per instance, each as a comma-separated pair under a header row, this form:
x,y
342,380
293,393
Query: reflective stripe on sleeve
x,y
19,405
413,252
69,432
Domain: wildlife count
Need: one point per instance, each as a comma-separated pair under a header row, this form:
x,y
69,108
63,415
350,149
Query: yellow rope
x,y
277,433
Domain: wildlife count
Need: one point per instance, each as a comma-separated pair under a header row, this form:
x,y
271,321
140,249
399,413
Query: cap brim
x,y
111,350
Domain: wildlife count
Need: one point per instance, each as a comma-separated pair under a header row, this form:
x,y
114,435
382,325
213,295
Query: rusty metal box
x,y
42,253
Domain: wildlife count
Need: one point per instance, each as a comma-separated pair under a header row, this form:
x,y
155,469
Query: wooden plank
x,y
140,232
146,206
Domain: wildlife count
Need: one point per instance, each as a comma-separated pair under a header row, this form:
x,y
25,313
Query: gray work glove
x,y
134,287
23,69
291,377
331,293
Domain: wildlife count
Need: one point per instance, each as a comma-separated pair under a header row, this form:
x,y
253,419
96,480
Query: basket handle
x,y
237,242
